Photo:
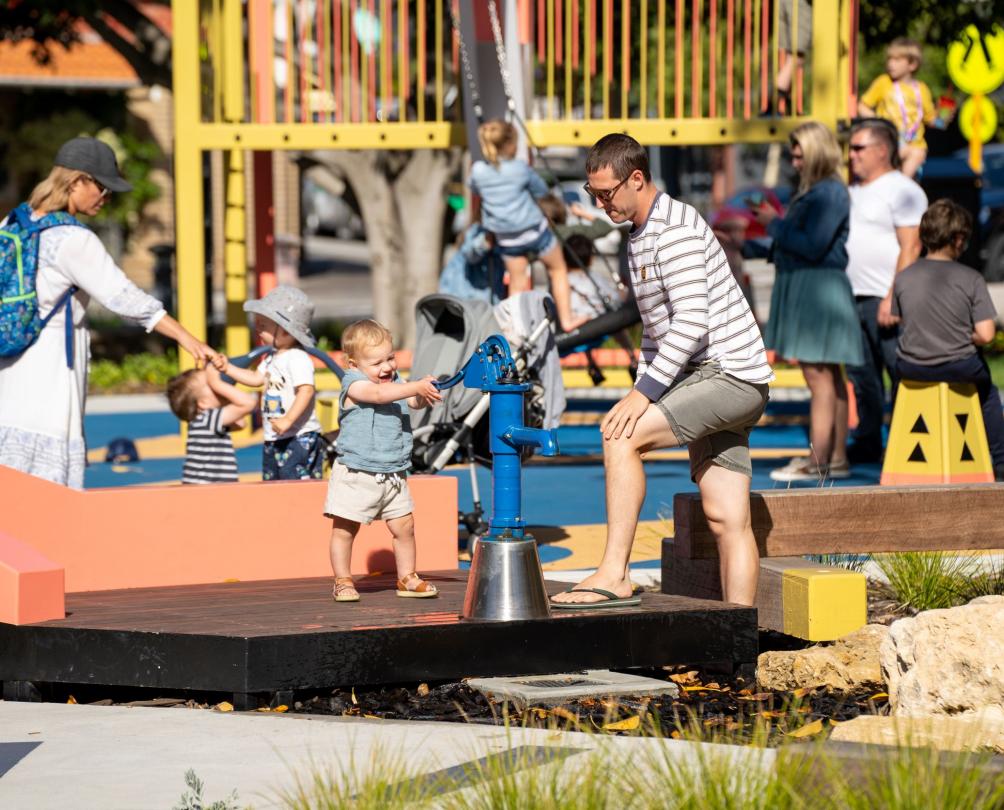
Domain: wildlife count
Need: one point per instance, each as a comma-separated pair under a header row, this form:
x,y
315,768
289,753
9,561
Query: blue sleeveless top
x,y
372,438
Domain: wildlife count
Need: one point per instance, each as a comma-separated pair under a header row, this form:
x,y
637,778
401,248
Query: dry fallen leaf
x,y
423,690
808,729
372,717
282,707
801,692
558,711
879,696
674,734
354,701
684,678
71,700
758,697
224,707
623,725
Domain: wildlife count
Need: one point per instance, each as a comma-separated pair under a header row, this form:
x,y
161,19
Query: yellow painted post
x,y
190,250
233,61
235,255
826,62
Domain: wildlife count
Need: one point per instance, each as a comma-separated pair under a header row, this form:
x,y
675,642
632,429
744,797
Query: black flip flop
x,y
610,600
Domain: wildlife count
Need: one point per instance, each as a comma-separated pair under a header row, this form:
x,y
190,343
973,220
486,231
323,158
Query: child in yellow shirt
x,y
900,98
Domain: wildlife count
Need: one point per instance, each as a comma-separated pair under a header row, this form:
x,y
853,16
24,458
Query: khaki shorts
x,y
366,496
784,31
713,413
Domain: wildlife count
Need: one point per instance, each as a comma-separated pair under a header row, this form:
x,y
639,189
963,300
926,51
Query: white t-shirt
x,y
877,209
283,372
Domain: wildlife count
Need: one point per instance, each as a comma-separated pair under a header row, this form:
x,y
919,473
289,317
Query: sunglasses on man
x,y
604,195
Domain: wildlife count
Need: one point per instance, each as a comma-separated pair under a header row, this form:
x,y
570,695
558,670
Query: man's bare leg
x,y
625,488
725,497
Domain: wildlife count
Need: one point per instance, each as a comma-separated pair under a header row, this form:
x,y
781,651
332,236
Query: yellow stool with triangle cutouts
x,y
937,436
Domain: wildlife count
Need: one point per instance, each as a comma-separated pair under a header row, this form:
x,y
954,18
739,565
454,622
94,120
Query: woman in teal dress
x,y
812,314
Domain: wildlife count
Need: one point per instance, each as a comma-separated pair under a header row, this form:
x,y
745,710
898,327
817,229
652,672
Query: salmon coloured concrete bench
x,y
55,540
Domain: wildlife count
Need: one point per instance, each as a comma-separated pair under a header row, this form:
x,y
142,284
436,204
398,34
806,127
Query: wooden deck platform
x,y
252,639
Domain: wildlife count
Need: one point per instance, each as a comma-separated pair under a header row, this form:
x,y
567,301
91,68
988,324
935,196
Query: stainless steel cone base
x,y
506,582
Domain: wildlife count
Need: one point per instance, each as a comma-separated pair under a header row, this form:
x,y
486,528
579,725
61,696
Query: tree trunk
x,y
421,200
402,198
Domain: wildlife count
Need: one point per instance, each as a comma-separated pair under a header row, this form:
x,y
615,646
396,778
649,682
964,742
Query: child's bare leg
x,y
913,158
403,531
785,73
409,583
518,269
557,271
343,532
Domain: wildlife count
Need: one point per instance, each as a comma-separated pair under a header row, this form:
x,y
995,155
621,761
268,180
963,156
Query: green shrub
x,y
137,372
931,580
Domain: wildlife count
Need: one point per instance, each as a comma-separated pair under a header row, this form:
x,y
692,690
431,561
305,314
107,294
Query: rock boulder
x,y
948,661
842,665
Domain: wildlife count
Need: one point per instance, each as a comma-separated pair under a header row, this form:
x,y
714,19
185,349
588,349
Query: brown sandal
x,y
422,589
345,590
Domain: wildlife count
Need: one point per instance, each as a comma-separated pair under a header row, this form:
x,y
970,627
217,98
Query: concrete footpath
x,y
110,757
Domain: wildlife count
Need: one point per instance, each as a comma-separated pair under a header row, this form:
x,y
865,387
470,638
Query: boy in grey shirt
x,y
946,312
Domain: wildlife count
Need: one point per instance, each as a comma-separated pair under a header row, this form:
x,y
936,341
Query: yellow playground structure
x,y
252,76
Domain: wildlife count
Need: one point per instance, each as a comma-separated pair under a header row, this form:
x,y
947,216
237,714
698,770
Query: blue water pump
x,y
505,582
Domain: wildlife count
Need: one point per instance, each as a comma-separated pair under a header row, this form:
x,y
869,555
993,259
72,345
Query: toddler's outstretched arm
x,y
245,376
419,393
239,403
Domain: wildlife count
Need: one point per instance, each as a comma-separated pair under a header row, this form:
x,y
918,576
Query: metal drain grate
x,y
556,684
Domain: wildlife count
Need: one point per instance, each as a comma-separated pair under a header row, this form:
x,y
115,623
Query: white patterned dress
x,y
41,400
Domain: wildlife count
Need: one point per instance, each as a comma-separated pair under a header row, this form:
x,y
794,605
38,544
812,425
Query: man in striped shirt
x,y
702,380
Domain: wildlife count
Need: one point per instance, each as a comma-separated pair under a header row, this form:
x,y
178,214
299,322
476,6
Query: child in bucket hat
x,y
293,449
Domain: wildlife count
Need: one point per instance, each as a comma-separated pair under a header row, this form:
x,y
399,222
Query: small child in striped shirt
x,y
211,406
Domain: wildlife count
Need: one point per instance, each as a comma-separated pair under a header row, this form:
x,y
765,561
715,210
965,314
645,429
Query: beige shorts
x,y
785,36
713,413
366,496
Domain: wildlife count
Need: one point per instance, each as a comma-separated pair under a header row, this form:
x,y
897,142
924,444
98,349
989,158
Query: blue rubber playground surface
x,y
556,494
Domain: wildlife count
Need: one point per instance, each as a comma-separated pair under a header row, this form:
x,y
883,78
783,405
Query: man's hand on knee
x,y
622,418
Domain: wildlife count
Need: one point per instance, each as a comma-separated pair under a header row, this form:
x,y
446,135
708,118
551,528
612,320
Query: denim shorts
x,y
293,459
713,412
533,249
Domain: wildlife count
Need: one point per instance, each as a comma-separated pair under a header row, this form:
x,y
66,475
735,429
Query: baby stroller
x,y
447,332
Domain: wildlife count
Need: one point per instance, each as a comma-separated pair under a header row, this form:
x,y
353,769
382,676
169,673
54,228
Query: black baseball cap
x,y
94,157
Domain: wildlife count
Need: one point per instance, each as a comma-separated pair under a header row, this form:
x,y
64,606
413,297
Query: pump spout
x,y
546,441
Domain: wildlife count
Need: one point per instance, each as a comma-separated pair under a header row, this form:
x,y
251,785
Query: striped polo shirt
x,y
692,310
209,453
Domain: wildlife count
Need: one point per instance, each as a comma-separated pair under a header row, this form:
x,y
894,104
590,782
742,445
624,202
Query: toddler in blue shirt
x,y
369,478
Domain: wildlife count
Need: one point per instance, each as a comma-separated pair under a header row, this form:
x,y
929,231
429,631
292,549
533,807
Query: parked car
x,y
739,209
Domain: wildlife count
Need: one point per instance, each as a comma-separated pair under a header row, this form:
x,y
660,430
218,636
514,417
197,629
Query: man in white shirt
x,y
886,207
702,378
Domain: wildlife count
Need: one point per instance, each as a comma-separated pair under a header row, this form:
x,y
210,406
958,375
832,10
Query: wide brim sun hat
x,y
94,157
290,308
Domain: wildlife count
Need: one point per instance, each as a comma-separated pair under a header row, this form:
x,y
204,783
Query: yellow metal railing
x,y
364,74
374,73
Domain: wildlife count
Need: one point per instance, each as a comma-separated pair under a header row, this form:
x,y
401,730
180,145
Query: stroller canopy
x,y
447,332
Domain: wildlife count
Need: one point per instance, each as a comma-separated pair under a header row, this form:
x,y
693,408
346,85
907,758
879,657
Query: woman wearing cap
x,y
42,390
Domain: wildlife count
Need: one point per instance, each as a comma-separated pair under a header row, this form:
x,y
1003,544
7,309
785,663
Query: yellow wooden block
x,y
822,604
937,436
